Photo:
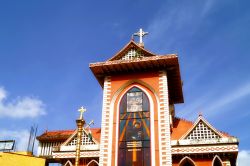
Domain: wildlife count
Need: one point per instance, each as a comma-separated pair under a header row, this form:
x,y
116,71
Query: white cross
x,y
140,33
81,110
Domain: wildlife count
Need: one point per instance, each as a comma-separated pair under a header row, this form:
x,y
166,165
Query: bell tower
x,y
140,89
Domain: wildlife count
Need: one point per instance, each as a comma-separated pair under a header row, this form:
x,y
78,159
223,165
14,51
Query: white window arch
x,y
68,163
93,163
217,161
187,161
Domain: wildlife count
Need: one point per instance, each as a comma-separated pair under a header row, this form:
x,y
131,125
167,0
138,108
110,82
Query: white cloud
x,y
237,94
21,137
3,94
22,107
243,158
209,105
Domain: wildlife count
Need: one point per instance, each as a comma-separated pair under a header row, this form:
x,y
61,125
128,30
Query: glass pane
x,y
146,129
123,104
122,130
145,103
134,101
122,145
122,157
135,89
146,157
146,114
146,144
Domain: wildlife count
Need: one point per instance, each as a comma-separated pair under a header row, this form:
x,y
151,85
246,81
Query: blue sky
x,y
46,46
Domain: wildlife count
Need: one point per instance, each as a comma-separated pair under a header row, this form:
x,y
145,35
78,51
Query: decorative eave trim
x,y
231,148
74,134
156,57
83,154
186,142
201,118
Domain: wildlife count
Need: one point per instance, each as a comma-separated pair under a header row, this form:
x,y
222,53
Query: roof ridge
x,y
59,130
66,130
189,121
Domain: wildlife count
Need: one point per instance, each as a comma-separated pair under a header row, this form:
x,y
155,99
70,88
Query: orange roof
x,y
63,135
57,135
180,127
96,133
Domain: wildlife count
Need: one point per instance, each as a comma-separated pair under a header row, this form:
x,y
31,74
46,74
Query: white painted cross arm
x,y
81,110
140,33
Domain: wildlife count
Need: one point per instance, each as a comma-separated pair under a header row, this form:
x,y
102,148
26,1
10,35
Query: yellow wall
x,y
20,159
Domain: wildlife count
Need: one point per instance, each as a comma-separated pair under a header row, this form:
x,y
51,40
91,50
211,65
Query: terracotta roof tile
x,y
63,135
56,135
180,127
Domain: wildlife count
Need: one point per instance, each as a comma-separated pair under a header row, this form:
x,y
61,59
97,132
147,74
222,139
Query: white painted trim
x,y
39,149
204,149
105,127
164,121
152,132
204,141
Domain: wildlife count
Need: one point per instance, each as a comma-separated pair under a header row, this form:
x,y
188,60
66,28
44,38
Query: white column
x,y
164,121
106,134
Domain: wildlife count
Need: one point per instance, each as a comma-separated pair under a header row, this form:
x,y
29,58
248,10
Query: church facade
x,y
139,126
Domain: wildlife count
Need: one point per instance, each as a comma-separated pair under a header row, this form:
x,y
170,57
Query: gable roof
x,y
127,47
63,135
180,130
180,127
198,126
85,134
54,136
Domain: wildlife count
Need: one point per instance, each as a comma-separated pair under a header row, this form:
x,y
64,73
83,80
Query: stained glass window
x,y
134,129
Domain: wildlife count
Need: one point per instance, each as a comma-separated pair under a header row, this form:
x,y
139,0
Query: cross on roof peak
x,y
140,33
81,110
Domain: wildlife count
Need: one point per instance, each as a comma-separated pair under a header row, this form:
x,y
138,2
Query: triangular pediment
x,y
130,52
202,130
87,139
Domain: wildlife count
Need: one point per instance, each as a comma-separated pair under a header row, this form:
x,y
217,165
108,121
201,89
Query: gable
x,y
87,139
202,130
131,51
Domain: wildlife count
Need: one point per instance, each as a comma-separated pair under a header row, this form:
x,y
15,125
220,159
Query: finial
x,y
200,114
81,110
132,37
140,33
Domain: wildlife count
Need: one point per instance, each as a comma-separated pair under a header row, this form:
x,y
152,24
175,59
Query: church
x,y
139,126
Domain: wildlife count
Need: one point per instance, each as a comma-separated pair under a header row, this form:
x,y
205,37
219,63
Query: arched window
x,y
68,163
134,129
217,161
186,161
93,163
